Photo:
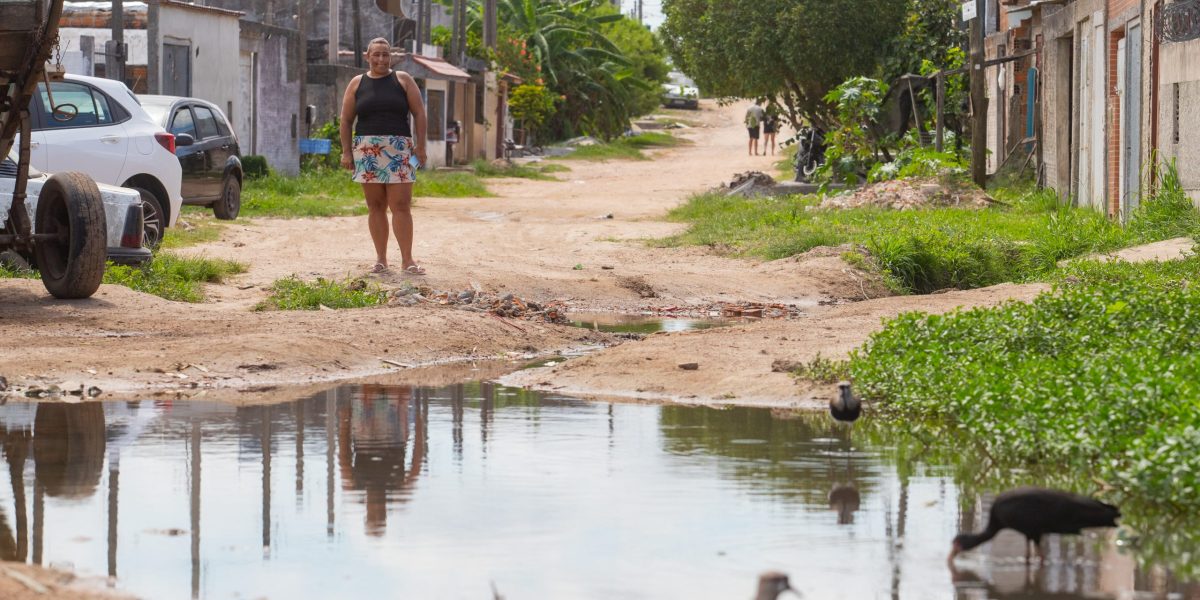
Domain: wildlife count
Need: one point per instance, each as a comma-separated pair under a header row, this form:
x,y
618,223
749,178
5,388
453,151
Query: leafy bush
x,y
1100,376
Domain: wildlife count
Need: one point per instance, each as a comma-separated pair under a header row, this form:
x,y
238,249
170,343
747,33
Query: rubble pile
x,y
476,300
910,194
750,183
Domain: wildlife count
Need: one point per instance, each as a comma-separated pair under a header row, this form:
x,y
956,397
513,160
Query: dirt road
x,y
526,241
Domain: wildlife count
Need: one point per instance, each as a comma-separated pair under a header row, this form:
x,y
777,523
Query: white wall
x,y
213,39
68,40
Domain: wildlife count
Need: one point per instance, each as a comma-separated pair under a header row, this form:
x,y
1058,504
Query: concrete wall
x,y
435,148
213,41
68,38
271,105
325,86
1179,104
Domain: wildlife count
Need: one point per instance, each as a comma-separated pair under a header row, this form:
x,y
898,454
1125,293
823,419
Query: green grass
x,y
1098,377
823,370
625,148
294,294
173,277
203,228
167,275
928,250
331,193
537,171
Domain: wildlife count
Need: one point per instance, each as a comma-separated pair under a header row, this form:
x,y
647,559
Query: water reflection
x,y
394,491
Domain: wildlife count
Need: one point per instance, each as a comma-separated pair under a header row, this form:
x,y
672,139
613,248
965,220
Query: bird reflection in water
x,y
373,432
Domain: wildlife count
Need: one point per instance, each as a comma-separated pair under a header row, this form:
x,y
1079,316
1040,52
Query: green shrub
x,y
254,166
1100,376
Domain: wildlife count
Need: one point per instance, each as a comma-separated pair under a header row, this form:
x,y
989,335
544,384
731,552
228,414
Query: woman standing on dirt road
x,y
383,152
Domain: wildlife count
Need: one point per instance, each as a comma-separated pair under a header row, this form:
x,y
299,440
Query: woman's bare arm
x,y
416,105
347,123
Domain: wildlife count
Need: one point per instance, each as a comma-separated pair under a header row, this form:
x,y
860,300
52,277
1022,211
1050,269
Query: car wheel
x,y
71,253
230,203
154,220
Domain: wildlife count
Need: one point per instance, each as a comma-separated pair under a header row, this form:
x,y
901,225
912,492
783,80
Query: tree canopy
x,y
795,51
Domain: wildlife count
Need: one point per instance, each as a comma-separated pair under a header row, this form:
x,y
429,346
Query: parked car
x,y
680,91
100,129
207,150
122,212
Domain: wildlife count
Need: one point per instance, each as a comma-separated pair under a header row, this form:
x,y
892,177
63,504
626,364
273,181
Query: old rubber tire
x,y
229,204
154,220
73,265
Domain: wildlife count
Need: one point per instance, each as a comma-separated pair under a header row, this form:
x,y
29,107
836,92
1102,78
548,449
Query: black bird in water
x,y
845,406
1035,512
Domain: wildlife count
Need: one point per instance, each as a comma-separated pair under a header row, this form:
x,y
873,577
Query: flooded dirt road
x,y
526,241
453,492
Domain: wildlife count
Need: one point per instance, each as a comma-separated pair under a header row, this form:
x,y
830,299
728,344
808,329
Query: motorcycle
x,y
810,152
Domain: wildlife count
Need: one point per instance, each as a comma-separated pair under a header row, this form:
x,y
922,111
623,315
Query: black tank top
x,y
381,106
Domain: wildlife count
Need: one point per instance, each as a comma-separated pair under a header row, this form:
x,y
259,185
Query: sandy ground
x,y
525,241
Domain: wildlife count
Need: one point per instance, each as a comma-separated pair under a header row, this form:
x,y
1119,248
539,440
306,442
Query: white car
x,y
122,212
100,129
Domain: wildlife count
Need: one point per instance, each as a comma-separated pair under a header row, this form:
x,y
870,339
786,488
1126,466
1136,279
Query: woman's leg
x,y
399,199
377,204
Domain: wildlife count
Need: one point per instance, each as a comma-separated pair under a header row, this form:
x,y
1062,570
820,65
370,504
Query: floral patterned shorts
x,y
383,159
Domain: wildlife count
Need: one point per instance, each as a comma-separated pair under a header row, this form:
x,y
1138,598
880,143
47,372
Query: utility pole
x,y
358,41
979,101
334,27
489,24
639,10
114,51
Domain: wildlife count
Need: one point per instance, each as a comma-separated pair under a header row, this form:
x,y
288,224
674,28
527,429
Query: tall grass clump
x,y
1101,376
292,293
173,277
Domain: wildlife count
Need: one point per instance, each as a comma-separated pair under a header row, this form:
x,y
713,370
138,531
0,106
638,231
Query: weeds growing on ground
x,y
626,148
292,293
173,277
202,228
536,171
823,370
331,193
928,250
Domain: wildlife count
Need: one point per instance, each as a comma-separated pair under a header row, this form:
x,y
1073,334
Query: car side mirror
x,y
184,139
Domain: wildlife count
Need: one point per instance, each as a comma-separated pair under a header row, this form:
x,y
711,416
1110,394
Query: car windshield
x,y
678,78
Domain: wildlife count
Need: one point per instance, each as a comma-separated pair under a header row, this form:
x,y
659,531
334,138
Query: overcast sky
x,y
651,11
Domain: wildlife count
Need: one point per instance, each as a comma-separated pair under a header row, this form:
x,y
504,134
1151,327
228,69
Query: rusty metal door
x,y
176,70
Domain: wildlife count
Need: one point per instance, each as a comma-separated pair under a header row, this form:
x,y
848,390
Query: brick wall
x,y
1114,126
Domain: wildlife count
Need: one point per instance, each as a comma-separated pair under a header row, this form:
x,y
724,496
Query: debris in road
x,y
3,384
689,366
508,305
911,194
750,183
638,285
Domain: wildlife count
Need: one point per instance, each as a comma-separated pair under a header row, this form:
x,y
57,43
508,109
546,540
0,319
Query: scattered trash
x,y
476,300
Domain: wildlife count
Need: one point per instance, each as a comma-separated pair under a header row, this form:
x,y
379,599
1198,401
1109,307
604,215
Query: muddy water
x,y
400,492
621,323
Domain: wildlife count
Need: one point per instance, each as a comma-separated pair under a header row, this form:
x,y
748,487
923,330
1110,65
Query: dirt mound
x,y
750,183
910,194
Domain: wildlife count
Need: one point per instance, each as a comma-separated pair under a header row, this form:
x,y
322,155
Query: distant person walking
x,y
383,152
770,128
754,118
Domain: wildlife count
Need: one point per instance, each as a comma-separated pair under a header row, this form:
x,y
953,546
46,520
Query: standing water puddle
x,y
619,323
402,492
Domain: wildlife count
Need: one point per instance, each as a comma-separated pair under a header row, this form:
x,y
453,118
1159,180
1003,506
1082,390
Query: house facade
x,y
1114,85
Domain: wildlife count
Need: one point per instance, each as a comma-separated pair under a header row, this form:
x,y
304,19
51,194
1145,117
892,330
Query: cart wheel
x,y
72,265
